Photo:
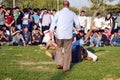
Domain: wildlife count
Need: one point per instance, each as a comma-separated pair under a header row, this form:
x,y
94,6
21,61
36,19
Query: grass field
x,y
31,63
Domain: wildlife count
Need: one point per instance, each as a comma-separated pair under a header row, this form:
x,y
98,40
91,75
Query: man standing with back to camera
x,y
64,20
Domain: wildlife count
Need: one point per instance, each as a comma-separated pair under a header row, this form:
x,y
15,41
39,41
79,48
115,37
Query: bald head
x,y
66,3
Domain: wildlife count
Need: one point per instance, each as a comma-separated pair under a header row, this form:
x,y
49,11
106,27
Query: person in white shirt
x,y
96,25
26,18
64,20
108,22
83,20
97,22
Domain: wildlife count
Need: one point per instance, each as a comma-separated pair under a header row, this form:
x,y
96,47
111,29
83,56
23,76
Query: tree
x,y
50,4
98,5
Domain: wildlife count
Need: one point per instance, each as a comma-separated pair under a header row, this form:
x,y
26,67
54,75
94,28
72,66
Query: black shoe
x,y
66,70
60,67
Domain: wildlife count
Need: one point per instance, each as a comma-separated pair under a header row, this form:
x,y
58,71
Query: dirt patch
x,y
110,77
35,66
37,50
10,48
36,63
41,68
19,55
99,54
7,79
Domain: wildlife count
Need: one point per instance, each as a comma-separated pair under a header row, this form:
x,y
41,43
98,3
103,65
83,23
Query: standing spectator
x,y
15,14
64,20
35,18
46,20
53,14
9,19
83,20
26,18
118,21
97,22
18,23
2,17
108,23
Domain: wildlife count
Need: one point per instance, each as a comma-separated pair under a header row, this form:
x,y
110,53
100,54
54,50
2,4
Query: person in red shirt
x,y
9,19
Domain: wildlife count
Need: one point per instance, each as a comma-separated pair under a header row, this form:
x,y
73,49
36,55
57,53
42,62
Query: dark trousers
x,y
45,28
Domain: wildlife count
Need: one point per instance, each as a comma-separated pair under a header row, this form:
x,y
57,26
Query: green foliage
x,y
113,9
74,10
50,4
31,63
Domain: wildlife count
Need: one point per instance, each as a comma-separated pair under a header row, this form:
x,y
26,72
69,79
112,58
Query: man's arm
x,y
54,23
77,24
117,20
52,27
85,23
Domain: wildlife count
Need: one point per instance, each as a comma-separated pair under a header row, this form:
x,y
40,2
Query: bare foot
x,y
42,47
48,54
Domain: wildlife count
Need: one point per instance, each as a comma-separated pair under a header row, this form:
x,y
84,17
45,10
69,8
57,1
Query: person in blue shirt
x,y
115,38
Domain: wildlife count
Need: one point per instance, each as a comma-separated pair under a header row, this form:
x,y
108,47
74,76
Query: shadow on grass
x,y
92,50
62,75
59,76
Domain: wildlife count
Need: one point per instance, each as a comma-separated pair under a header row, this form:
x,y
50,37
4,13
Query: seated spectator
x,y
115,38
105,40
18,38
27,36
107,32
95,39
36,37
34,28
51,45
96,25
49,40
46,37
3,36
7,32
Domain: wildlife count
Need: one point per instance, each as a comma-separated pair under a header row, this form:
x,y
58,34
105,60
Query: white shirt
x,y
47,37
107,24
98,22
64,20
82,20
92,55
25,21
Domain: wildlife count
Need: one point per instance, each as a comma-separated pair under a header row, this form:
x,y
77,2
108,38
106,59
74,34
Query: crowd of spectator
x,y
26,27
31,27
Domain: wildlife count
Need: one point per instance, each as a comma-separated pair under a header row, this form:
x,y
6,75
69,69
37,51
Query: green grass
x,y
31,63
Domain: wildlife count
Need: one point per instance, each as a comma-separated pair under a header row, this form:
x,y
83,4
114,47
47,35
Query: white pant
x,y
92,55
